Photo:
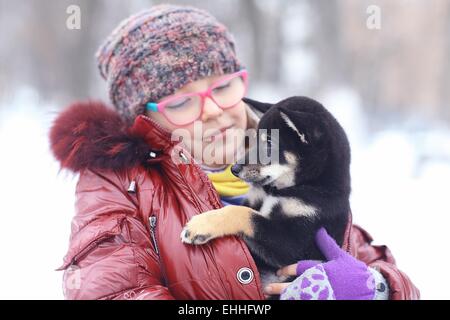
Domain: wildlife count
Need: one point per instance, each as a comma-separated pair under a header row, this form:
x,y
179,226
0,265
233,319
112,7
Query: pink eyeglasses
x,y
184,109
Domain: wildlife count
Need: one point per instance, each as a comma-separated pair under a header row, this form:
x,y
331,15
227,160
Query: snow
x,y
36,203
400,180
398,194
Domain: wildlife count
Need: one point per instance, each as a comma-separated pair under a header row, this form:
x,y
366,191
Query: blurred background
x,y
382,67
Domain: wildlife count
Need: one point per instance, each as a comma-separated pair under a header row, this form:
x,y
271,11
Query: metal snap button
x,y
132,187
381,287
245,275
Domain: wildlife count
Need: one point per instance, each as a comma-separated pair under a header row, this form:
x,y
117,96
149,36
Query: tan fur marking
x,y
229,220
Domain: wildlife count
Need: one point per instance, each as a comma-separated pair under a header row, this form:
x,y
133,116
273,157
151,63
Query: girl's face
x,y
217,135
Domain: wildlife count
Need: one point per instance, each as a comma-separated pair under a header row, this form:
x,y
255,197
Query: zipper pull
x,y
153,233
153,222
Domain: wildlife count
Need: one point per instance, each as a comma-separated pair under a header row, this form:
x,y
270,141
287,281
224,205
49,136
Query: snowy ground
x,y
400,183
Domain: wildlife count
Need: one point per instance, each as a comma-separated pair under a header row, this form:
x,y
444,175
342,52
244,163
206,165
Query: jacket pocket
x,y
91,236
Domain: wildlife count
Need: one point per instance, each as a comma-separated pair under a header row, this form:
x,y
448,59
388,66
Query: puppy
x,y
305,186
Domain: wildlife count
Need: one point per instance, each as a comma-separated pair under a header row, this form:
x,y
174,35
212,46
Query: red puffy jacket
x,y
136,190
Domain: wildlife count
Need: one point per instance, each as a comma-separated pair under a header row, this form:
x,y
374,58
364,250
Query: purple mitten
x,y
342,277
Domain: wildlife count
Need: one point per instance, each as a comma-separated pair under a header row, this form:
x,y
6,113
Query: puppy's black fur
x,y
320,180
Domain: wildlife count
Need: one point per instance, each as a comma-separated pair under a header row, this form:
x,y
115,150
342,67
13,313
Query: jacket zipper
x,y
196,203
155,245
153,233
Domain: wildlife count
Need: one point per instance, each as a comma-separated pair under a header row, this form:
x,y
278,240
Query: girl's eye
x,y
178,104
222,86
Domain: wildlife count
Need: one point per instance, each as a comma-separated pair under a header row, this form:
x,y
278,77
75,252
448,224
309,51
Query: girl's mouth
x,y
218,134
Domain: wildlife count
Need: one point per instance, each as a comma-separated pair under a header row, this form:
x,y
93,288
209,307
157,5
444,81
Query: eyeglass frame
x,y
160,106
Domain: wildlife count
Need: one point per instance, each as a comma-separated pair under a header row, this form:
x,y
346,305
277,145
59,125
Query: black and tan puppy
x,y
306,188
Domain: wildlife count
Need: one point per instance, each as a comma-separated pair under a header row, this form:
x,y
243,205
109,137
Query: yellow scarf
x,y
227,184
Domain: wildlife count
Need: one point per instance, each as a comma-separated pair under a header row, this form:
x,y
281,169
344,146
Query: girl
x,y
171,68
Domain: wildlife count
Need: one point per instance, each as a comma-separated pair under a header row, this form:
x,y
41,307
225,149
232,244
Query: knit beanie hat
x,y
153,53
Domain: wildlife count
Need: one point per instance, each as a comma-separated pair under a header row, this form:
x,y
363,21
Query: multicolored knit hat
x,y
153,53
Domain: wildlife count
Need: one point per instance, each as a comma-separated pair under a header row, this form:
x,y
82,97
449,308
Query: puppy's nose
x,y
235,169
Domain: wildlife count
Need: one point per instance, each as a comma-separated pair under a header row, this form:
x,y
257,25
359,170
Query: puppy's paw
x,y
188,237
200,229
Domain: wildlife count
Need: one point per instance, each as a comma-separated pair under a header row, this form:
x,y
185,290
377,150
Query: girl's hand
x,y
277,288
340,277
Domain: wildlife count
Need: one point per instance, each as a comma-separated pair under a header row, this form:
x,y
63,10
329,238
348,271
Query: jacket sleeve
x,y
110,255
381,259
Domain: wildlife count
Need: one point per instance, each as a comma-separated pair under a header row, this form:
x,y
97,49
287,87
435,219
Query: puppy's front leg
x,y
229,220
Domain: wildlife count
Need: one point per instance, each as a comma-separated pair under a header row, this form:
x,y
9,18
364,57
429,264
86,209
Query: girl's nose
x,y
210,110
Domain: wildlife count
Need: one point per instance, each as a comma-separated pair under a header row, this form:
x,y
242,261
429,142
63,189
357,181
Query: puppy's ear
x,y
260,106
304,124
291,125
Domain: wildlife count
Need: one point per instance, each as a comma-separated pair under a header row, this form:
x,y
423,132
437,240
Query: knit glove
x,y
340,277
